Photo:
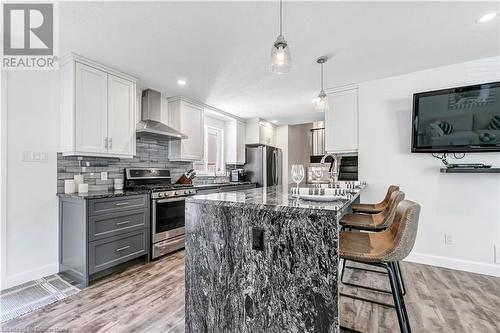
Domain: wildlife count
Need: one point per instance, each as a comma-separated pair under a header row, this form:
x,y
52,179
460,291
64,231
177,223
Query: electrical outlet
x,y
497,254
104,175
448,239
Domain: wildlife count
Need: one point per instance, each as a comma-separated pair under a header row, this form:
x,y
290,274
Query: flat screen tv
x,y
463,119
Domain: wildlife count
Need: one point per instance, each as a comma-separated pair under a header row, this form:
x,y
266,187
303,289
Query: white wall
x,y
467,206
294,141
299,141
31,227
3,178
282,143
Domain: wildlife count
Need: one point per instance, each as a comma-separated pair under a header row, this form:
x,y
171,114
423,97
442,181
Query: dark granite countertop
x,y
102,194
275,197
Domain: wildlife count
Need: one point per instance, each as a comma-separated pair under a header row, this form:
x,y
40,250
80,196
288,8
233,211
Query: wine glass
x,y
297,174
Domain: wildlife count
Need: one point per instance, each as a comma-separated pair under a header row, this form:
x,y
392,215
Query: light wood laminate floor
x,y
150,298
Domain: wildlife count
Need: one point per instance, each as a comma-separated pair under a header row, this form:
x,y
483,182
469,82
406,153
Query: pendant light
x,y
280,52
322,100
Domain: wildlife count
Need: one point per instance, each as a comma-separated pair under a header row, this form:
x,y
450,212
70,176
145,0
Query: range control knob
x,y
161,194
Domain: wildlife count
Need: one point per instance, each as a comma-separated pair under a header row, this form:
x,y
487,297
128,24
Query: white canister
x,y
118,184
83,188
78,180
69,186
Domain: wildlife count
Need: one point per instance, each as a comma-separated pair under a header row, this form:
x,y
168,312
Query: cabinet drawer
x,y
111,205
111,251
107,225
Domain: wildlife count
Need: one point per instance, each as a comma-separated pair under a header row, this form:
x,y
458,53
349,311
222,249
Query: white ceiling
x,y
222,49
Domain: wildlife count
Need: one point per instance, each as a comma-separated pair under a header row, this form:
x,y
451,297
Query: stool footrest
x,y
348,329
367,300
366,269
366,287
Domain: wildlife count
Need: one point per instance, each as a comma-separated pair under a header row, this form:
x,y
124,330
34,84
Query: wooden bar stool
x,y
372,222
377,207
385,249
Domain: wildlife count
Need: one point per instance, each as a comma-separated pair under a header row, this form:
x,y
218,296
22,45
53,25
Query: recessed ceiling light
x,y
181,82
487,17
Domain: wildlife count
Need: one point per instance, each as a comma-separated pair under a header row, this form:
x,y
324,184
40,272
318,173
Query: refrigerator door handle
x,y
275,168
278,168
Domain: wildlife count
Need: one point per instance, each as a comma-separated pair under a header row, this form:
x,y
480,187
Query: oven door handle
x,y
169,200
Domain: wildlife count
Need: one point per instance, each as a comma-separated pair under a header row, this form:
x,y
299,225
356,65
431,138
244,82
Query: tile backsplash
x,y
151,153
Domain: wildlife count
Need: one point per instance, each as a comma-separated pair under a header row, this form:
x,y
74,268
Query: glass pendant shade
x,y
322,99
321,102
281,60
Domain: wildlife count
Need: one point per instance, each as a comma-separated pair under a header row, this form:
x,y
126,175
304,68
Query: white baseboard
x,y
20,278
452,263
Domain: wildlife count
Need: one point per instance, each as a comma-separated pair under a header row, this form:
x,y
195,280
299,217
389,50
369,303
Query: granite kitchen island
x,y
261,260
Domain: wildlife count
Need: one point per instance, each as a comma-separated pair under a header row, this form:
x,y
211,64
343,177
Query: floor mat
x,y
32,295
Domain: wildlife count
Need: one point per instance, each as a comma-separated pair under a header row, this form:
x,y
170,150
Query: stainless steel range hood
x,y
150,124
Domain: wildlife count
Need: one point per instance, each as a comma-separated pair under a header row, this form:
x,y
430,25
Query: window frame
x,y
220,163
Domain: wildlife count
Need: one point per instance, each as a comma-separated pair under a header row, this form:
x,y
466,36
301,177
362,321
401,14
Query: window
x,y
213,161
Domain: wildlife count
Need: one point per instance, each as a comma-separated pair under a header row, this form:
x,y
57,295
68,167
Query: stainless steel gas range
x,y
167,207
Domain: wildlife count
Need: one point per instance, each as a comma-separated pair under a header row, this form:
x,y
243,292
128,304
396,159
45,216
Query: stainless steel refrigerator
x,y
263,165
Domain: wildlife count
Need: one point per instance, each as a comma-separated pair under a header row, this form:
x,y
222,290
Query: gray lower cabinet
x,y
100,236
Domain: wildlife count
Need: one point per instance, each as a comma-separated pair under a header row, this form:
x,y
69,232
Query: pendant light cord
x,y
281,17
321,76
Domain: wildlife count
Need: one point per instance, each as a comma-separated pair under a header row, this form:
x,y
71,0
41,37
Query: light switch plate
x,y
448,239
104,175
35,156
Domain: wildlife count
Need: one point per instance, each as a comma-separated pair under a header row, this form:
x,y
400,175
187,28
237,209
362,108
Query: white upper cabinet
x,y
91,109
341,122
240,142
186,117
98,110
121,115
260,131
235,141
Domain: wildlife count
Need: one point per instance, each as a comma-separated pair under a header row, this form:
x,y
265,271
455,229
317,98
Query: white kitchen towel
x,y
319,191
344,184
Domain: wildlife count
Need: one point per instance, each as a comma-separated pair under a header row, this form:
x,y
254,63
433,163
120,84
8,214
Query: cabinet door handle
x,y
122,248
121,203
122,222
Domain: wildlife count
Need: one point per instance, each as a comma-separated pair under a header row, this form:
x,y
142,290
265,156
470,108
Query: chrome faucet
x,y
333,167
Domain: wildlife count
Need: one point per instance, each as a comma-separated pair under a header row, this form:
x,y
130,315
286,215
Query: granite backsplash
x,y
151,153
